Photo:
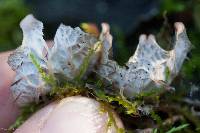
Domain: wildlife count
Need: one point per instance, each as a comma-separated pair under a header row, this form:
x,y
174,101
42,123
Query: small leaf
x,y
175,129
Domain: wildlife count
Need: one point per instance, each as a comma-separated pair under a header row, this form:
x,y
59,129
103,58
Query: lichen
x,y
64,69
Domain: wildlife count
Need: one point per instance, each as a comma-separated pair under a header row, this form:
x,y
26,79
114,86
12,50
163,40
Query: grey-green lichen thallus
x,y
35,63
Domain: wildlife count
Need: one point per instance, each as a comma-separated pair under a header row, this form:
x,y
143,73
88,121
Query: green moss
x,y
156,117
153,93
179,128
49,79
129,108
106,108
68,89
155,130
25,113
86,62
112,122
167,74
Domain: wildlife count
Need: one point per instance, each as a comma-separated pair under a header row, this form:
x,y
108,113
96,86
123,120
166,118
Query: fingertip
x,y
73,114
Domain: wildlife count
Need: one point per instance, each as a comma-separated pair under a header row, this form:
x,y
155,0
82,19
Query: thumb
x,y
71,115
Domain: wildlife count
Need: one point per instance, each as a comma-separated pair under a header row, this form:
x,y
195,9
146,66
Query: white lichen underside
x,y
146,69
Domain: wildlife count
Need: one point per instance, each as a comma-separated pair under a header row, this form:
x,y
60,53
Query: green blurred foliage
x,y
121,51
172,6
11,12
191,69
196,14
